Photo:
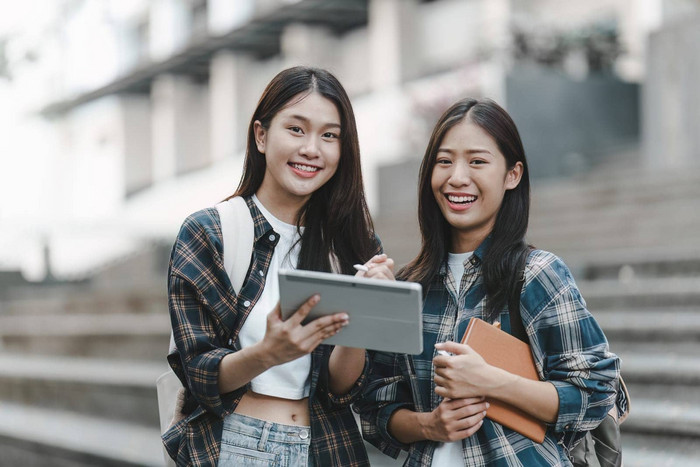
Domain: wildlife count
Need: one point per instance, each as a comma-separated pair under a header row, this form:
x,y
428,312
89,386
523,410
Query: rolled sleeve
x,y
197,343
355,392
569,346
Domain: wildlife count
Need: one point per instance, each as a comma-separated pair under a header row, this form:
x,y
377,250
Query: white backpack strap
x,y
237,231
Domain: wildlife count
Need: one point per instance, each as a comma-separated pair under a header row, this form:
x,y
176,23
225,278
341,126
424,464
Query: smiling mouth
x,y
461,199
304,168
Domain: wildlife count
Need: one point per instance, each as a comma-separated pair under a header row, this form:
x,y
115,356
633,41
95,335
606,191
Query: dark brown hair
x,y
336,217
507,249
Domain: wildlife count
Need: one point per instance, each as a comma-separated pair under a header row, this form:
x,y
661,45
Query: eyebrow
x,y
469,151
306,120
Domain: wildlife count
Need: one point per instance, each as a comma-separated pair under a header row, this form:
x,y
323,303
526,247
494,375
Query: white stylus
x,y
361,267
445,353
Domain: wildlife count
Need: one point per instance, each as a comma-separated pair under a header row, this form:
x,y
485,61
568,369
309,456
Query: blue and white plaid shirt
x,y
569,348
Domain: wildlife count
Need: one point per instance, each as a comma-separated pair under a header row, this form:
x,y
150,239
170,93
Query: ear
x,y
260,133
514,175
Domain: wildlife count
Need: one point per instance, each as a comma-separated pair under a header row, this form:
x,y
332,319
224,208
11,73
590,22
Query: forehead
x,y
467,135
311,106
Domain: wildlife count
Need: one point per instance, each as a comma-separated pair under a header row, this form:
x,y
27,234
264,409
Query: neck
x,y
284,207
464,242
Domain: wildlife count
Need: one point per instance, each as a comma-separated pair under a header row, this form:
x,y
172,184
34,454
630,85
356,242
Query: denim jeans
x,y
250,442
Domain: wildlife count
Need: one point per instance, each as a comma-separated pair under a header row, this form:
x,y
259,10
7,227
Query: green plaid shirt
x,y
207,317
569,349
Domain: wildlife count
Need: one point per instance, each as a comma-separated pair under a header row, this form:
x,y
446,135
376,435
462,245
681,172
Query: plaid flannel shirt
x,y
207,317
569,349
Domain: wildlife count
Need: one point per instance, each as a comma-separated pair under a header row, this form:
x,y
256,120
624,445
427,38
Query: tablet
x,y
384,315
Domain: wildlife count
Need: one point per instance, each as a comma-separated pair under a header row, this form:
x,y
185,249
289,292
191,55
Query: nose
x,y
311,148
460,175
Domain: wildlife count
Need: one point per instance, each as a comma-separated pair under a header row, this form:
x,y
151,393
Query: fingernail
x,y
483,413
316,298
487,406
345,317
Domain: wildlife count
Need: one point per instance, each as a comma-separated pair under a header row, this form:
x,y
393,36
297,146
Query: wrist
x,y
264,358
505,382
423,420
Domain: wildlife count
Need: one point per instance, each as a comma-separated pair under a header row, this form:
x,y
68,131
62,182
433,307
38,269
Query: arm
x,y
452,420
579,373
466,374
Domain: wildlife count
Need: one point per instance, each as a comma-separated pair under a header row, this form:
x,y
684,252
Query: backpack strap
x,y
516,322
238,234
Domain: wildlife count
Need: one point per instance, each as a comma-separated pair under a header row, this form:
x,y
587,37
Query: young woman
x,y
473,211
263,391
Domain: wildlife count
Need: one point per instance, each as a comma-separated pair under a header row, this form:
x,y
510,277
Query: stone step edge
x,y
112,324
650,416
82,370
101,438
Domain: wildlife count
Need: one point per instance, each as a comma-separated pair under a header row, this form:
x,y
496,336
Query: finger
x,y
275,315
455,348
319,324
470,429
471,410
464,401
304,310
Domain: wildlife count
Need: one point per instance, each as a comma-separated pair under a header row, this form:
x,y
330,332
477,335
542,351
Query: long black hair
x,y
507,251
336,218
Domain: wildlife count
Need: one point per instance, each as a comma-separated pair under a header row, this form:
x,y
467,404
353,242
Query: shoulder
x,y
199,237
543,265
546,277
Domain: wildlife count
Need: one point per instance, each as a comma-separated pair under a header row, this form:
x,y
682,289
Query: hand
x,y
380,267
455,419
288,340
465,374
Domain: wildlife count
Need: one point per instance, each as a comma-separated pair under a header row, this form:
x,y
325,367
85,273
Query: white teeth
x,y
305,168
461,199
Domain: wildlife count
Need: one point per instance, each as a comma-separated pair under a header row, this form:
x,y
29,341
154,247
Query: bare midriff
x,y
274,409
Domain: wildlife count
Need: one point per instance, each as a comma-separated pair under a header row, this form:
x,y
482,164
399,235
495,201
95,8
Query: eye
x,y
478,162
330,135
295,129
443,161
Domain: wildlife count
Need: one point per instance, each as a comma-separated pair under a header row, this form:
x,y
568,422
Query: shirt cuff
x,y
203,378
393,446
572,403
356,389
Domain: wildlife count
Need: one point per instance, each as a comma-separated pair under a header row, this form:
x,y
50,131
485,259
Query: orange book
x,y
500,349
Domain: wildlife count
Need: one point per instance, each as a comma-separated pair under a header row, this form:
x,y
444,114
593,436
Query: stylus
x,y
444,353
361,267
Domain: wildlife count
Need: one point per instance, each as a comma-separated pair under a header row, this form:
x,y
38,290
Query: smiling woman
x,y
260,389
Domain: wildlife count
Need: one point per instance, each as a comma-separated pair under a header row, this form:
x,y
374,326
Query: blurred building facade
x,y
146,103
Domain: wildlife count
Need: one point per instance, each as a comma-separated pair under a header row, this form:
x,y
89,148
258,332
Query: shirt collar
x,y
474,260
262,227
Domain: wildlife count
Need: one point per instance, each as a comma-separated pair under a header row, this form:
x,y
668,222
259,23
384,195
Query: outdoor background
x,y
118,118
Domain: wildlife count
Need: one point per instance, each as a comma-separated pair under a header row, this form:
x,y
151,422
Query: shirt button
x,y
303,434
272,237
230,342
261,273
246,303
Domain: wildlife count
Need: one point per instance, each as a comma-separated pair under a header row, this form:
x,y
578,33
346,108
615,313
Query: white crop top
x,y
290,380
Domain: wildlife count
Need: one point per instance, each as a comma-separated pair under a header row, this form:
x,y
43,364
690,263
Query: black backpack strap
x,y
516,322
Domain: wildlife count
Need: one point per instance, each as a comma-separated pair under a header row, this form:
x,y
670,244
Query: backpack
x,y
238,224
601,446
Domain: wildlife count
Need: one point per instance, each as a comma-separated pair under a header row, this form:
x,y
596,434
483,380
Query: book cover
x,y
500,349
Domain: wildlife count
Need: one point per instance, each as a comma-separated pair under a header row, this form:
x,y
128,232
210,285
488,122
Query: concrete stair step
x,y
666,369
114,390
642,293
65,299
39,436
641,450
115,335
632,263
670,418
672,325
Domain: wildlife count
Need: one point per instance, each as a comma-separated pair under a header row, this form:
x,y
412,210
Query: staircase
x,y
78,365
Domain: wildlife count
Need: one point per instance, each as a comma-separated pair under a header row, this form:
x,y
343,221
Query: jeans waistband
x,y
265,430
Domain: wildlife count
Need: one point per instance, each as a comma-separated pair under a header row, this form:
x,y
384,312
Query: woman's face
x,y
469,180
301,147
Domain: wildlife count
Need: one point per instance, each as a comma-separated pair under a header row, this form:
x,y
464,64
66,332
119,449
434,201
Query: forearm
x,y
239,368
407,426
344,367
537,398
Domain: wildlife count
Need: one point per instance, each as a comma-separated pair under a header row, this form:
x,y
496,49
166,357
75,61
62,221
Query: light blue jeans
x,y
250,442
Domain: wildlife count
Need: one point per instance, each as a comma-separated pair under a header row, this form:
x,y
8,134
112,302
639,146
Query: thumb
x,y
455,348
